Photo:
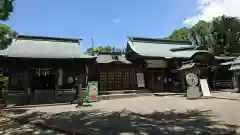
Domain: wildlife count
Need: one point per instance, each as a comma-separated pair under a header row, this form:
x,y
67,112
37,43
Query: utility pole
x,y
92,47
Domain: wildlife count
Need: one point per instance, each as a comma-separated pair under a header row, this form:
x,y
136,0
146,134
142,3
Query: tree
x,y
6,8
220,36
180,34
6,36
199,35
99,49
104,49
226,29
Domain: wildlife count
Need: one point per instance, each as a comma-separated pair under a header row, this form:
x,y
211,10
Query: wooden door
x,y
110,79
103,80
126,79
117,78
158,79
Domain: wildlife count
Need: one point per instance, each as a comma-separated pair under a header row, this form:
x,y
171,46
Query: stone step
x,y
132,95
123,92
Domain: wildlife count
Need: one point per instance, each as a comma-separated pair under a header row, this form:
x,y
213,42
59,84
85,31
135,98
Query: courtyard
x,y
148,115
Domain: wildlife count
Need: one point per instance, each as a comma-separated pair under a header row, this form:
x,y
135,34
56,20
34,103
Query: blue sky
x,y
109,22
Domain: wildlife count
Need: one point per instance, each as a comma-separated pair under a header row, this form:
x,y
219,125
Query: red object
x,y
94,97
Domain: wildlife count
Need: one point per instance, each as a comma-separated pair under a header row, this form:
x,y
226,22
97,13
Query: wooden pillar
x,y
182,78
26,84
236,81
86,71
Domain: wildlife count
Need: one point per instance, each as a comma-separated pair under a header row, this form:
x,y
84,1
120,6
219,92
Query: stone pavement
x,y
142,115
226,95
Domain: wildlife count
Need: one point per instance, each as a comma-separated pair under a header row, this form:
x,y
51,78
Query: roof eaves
x,y
158,40
183,48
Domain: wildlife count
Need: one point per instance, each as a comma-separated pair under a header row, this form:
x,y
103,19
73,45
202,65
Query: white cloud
x,y
213,8
116,20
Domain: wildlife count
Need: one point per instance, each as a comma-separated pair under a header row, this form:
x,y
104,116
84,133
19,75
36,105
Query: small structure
x,y
115,72
235,68
223,77
43,69
190,79
160,60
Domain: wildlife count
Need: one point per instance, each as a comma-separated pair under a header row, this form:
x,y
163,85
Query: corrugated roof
x,y
161,48
108,58
37,47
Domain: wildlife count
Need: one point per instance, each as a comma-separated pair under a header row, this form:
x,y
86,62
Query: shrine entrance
x,y
42,83
43,79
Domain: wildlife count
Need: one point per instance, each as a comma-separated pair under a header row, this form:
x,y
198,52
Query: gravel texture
x,y
144,115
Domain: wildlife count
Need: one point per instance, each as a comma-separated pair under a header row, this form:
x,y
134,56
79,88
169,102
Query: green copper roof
x,y
162,48
226,63
44,47
235,64
237,61
225,57
186,66
235,67
187,53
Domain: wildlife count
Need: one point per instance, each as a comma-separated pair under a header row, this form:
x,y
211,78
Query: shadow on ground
x,y
115,123
11,127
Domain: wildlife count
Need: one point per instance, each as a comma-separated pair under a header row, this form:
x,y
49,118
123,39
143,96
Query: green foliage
x,y
220,36
3,85
6,8
103,49
6,36
181,34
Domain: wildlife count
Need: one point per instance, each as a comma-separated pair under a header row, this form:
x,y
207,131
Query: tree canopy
x,y
220,36
6,34
6,8
103,49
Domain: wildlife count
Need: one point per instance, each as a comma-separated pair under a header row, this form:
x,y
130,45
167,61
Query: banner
x,y
205,88
92,91
140,80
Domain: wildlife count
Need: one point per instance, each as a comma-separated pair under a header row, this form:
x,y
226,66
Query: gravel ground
x,y
146,115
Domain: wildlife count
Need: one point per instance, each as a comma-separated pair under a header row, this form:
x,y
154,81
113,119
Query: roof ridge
x,y
46,38
164,41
